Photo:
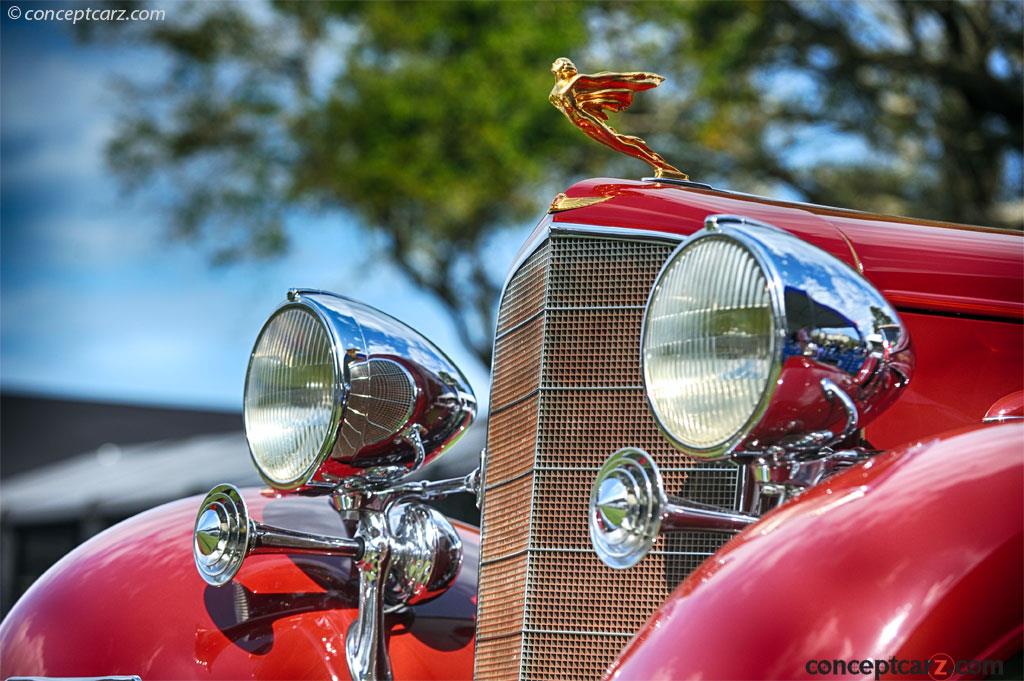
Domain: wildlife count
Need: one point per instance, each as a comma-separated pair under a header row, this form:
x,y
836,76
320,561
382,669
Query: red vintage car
x,y
729,437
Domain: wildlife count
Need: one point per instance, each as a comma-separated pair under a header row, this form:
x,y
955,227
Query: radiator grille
x,y
566,394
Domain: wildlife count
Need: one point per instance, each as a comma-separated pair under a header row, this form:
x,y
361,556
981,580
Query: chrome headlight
x,y
335,388
744,325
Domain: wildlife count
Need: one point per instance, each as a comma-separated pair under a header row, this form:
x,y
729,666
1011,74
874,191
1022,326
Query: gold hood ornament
x,y
586,99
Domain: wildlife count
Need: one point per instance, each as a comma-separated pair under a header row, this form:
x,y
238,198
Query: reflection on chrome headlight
x,y
750,331
336,388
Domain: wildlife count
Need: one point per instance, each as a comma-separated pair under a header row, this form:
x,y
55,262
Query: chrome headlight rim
x,y
724,227
339,393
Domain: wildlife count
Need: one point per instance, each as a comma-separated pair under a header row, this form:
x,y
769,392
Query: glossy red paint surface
x,y
962,366
129,601
945,270
914,553
917,552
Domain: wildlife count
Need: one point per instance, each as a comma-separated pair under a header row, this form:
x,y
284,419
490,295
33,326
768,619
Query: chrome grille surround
x,y
566,393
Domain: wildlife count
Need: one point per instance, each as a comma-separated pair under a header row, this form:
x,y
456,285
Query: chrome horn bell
x,y
225,534
629,509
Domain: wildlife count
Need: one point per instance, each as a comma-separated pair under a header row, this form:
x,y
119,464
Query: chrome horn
x,y
629,509
405,551
225,534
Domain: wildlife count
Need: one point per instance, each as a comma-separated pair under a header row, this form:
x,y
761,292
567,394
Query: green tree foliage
x,y
429,122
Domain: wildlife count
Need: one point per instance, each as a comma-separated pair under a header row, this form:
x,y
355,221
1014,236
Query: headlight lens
x,y
708,347
290,395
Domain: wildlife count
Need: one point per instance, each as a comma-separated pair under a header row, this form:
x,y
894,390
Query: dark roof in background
x,y
36,430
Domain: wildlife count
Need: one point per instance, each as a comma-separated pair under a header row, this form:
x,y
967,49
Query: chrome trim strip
x,y
565,388
544,228
1002,418
562,308
677,469
572,308
618,233
504,556
586,388
660,552
570,549
498,637
581,632
539,236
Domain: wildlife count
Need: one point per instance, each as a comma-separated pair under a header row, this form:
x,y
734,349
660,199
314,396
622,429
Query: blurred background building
x,y
71,468
163,182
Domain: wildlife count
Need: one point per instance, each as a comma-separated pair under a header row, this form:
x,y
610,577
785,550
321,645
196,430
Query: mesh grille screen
x,y
566,394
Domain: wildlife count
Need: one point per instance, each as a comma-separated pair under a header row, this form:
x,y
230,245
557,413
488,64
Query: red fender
x,y
130,602
913,554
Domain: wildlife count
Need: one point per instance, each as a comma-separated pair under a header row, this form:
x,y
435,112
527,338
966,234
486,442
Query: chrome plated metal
x,y
399,402
615,233
680,183
357,492
411,436
627,501
365,648
405,551
426,554
1001,418
547,226
412,554
224,535
818,440
776,476
629,509
830,327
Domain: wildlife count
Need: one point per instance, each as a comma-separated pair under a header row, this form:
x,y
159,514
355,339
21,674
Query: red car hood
x,y
917,264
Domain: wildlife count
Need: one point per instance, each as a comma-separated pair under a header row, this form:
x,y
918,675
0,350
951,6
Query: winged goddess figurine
x,y
586,99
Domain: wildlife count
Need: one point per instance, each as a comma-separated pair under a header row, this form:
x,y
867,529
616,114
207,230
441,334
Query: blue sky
x,y
97,301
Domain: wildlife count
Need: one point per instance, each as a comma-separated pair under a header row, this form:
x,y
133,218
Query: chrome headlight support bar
x,y
405,551
629,507
780,473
